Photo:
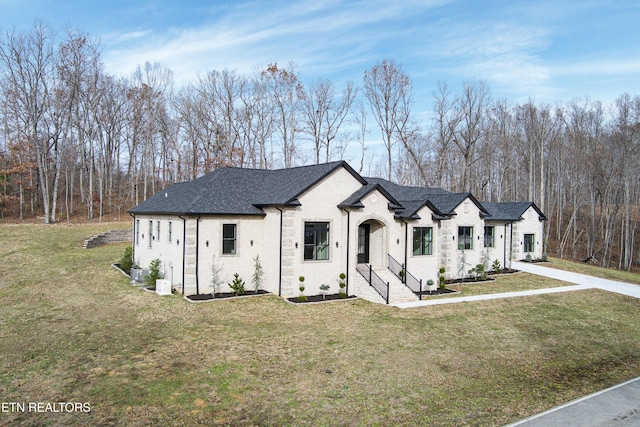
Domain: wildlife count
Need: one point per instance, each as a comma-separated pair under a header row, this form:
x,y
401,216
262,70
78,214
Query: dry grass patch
x,y
73,329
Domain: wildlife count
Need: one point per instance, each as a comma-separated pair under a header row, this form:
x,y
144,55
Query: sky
x,y
545,51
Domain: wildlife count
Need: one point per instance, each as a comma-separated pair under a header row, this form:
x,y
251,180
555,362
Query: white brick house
x,y
322,220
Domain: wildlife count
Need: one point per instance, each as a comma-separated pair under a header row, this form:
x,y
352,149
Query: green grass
x,y
73,329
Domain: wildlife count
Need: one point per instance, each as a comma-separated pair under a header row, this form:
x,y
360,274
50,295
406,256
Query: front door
x,y
363,243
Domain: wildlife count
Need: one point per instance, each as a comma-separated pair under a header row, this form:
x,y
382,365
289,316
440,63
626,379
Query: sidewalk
x,y
581,281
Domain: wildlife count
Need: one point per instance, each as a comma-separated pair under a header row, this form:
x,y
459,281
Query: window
x,y
137,231
229,234
465,238
529,242
170,231
316,241
150,233
489,237
422,239
158,231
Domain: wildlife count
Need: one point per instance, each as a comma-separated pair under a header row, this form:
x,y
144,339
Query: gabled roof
x,y
441,202
355,200
510,211
238,191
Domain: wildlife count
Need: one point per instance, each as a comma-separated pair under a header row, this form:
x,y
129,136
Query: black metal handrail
x,y
374,280
405,277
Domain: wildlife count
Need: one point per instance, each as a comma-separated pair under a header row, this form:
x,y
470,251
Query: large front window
x,y
529,244
316,240
422,240
489,237
465,238
229,237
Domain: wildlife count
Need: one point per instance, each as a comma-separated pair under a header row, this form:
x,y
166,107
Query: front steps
x,y
398,291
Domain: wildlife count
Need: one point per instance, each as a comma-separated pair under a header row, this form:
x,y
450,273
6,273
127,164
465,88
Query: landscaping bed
x,y
224,295
320,298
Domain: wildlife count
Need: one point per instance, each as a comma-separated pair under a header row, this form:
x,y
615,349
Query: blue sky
x,y
547,51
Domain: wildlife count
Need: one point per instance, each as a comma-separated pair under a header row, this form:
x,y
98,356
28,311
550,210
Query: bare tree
x,y
386,87
322,114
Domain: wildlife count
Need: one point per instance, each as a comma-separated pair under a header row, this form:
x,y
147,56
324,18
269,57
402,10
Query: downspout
x,y
348,254
133,239
280,256
504,247
511,244
197,254
184,249
406,257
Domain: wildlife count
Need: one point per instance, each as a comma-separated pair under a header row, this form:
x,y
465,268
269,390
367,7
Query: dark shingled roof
x,y
237,191
442,202
510,211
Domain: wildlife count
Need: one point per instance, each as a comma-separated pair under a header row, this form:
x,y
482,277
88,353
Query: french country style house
x,y
323,220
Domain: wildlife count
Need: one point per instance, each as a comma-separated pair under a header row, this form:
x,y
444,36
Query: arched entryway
x,y
372,243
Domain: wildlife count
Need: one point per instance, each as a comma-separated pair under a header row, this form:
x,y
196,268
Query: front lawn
x,y
74,330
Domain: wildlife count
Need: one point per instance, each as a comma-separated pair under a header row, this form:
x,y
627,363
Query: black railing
x,y
374,280
405,277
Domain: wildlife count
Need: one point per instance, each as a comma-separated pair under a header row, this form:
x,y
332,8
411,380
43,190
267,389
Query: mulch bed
x,y
439,291
224,295
320,298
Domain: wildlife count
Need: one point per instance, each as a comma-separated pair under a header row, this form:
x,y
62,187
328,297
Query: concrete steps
x,y
398,292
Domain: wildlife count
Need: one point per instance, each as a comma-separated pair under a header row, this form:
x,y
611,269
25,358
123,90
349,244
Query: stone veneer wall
x,y
113,236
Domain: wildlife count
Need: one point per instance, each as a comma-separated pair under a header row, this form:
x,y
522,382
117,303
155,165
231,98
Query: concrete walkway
x,y
615,406
581,281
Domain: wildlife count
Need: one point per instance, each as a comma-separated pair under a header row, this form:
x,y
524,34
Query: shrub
x,y
528,258
258,272
497,267
544,258
154,273
441,278
343,284
323,290
126,262
237,286
302,296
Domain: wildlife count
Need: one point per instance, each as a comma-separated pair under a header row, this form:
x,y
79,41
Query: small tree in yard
x,y
258,272
302,296
497,268
343,284
216,278
126,262
154,273
237,286
441,278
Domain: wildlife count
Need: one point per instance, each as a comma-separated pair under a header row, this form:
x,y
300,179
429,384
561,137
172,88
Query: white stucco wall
x,y
530,224
458,262
169,251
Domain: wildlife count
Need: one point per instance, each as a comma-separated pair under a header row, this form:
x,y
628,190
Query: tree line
x,y
78,139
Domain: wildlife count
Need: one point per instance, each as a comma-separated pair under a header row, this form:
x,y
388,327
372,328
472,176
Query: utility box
x,y
138,274
163,287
